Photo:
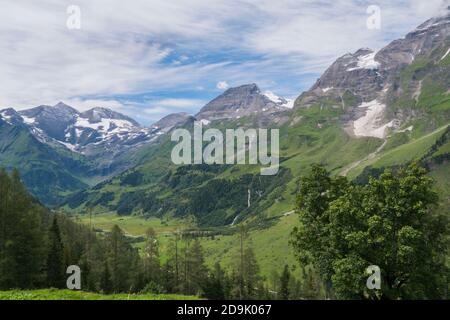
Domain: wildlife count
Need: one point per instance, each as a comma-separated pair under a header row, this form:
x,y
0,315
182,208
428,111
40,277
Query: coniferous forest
x,y
38,245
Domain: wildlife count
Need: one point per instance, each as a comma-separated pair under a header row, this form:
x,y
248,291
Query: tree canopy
x,y
389,222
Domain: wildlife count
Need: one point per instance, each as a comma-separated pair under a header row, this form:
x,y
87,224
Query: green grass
x,y
132,225
404,153
271,247
270,244
58,294
136,226
445,148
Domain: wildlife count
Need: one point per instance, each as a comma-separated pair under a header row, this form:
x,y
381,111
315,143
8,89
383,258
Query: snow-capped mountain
x,y
107,132
89,132
287,103
244,101
369,86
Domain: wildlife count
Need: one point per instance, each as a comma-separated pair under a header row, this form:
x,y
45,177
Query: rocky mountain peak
x,y
8,112
421,41
234,103
358,71
97,114
62,106
437,21
244,89
171,121
10,116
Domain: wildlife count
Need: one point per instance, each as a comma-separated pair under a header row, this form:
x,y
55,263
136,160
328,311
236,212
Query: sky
x,y
149,58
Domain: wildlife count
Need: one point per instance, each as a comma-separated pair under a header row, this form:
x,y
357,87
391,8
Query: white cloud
x,y
222,85
180,103
152,110
83,105
156,111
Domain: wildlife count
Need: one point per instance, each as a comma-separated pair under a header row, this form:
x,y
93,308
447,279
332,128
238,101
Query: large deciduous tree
x,y
390,222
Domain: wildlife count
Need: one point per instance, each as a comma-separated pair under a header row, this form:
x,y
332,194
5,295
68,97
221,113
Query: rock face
x,y
423,40
51,120
96,115
90,132
10,116
110,139
358,71
365,81
171,121
243,101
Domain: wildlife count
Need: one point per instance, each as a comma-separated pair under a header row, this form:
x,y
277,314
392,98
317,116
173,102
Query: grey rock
x,y
235,103
171,121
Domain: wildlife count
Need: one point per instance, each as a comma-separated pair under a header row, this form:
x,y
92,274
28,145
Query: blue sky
x,y
154,57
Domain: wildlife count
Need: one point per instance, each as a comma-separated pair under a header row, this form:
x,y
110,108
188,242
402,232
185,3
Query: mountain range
x,y
368,111
91,146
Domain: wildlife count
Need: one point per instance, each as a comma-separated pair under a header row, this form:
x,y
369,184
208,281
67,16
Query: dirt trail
x,y
370,156
374,154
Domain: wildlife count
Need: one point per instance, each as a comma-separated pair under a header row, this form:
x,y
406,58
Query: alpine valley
x,y
368,111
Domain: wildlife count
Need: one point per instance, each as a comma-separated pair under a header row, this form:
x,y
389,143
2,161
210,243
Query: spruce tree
x,y
151,257
284,283
55,258
21,238
105,281
198,272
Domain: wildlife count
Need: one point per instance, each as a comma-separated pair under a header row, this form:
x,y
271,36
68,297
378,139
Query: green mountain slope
x,y
49,173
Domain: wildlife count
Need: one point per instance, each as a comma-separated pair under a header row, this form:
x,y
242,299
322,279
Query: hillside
x,y
48,172
60,150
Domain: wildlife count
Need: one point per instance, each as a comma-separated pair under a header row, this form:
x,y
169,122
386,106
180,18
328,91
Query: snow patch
x,y
366,62
78,133
410,128
103,125
446,54
288,103
327,89
69,146
272,97
368,125
5,117
28,120
205,122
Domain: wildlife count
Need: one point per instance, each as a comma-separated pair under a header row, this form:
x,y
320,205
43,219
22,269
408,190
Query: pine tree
x,y
55,258
122,259
247,281
198,272
21,240
151,265
251,277
284,283
217,286
105,281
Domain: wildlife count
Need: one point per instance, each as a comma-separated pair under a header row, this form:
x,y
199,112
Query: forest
x,y
37,246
